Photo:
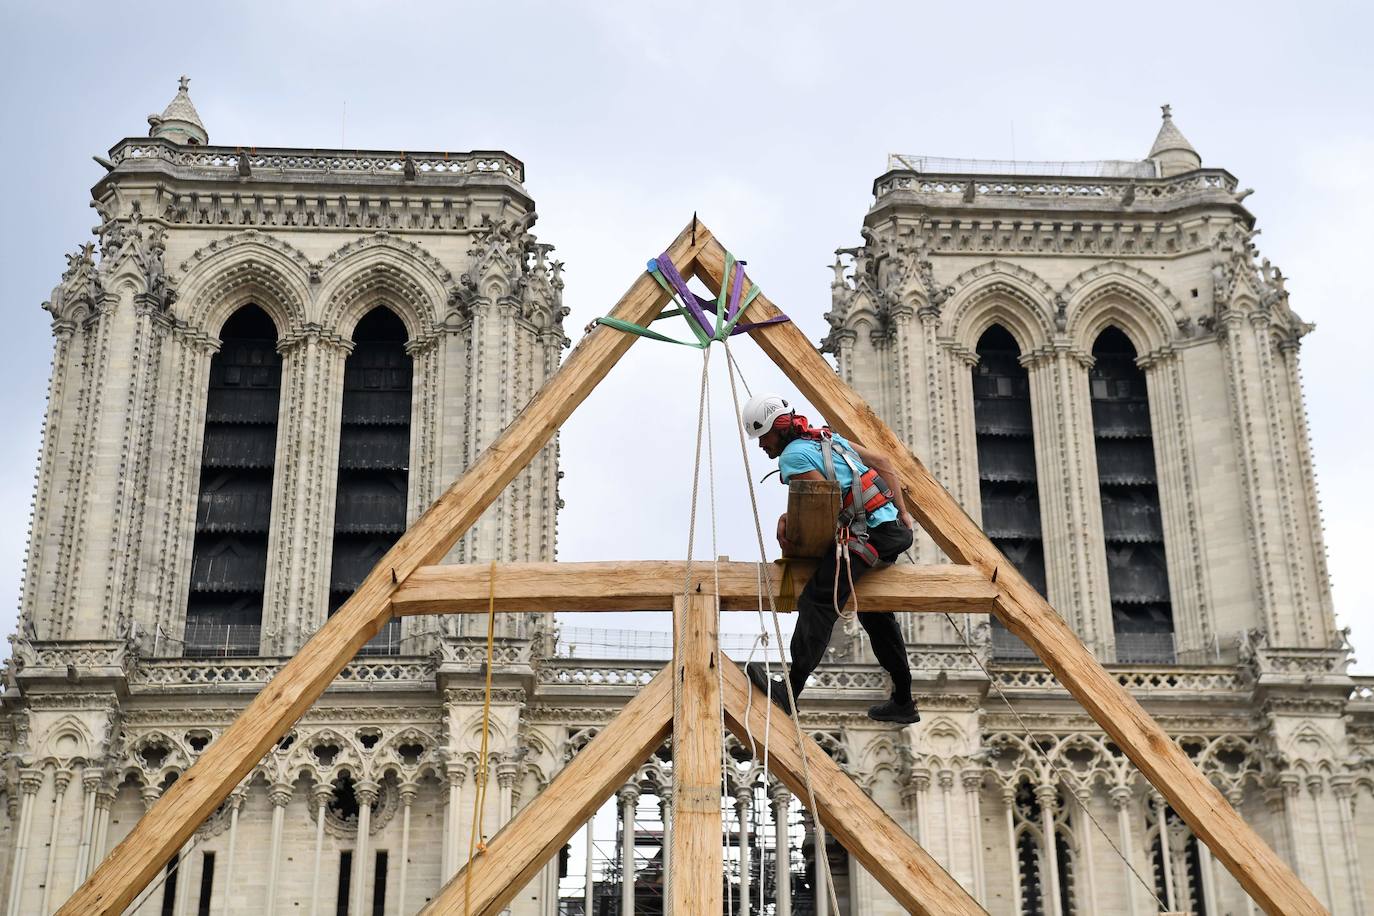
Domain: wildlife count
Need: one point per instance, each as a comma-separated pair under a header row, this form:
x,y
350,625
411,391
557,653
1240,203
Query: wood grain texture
x,y
1265,876
172,820
695,882
900,865
515,855
648,585
812,506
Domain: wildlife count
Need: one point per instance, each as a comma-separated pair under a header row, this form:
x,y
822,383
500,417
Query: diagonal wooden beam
x,y
695,878
541,828
172,820
1263,874
650,585
902,867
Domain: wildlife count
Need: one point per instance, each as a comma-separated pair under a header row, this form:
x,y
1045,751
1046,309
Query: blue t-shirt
x,y
802,455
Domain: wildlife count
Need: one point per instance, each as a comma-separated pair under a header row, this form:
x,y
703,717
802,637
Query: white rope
x,y
822,856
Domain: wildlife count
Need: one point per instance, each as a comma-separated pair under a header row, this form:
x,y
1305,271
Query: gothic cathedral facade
x,y
272,360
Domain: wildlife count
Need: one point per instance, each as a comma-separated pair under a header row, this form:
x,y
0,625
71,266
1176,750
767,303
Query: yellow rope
x,y
476,846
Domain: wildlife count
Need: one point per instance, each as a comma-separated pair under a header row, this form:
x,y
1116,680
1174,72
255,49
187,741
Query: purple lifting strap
x,y
699,306
736,290
745,326
693,304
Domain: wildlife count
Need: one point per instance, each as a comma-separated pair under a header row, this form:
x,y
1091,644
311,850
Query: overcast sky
x,y
769,119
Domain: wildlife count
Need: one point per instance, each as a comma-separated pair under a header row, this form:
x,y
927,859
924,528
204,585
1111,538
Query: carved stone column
x,y
104,801
628,797
1344,790
821,861
367,792
506,773
782,849
946,778
30,781
92,778
1047,794
457,772
744,801
1121,801
235,803
320,794
62,777
1289,788
1165,858
1207,867
408,791
296,600
1070,501
920,779
973,790
279,794
1087,899
1185,537
1316,787
1009,808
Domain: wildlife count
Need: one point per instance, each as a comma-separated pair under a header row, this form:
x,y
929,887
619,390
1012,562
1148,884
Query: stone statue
x,y
150,256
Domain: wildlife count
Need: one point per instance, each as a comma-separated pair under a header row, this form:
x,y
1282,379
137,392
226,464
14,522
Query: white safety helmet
x,y
760,412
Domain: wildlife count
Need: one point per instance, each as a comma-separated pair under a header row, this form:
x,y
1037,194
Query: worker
x,y
873,529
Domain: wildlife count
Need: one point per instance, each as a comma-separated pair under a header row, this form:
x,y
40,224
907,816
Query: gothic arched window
x,y
1137,575
1006,467
234,506
374,460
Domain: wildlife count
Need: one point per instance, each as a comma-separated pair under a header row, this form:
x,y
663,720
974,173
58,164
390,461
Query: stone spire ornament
x,y
1171,150
180,122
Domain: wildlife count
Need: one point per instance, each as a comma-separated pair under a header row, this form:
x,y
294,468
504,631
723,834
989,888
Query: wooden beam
x,y
696,857
1263,874
649,585
540,829
902,867
175,816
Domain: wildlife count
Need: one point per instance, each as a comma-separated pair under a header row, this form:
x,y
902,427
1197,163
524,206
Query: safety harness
x,y
867,492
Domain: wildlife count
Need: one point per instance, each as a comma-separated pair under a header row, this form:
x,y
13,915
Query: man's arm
x,y
882,463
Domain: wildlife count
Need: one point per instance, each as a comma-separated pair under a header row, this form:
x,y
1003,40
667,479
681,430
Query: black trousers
x,y
817,614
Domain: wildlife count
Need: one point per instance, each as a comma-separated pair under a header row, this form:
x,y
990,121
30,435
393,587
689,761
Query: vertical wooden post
x,y
697,870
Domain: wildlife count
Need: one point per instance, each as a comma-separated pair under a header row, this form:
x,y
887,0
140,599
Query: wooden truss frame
x,y
408,581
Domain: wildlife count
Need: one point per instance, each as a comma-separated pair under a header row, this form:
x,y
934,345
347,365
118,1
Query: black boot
x,y
776,690
895,711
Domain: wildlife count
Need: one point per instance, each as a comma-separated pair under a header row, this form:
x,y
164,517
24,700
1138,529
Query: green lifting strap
x,y
730,305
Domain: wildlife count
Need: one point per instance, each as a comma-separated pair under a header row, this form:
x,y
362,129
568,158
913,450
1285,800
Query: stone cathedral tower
x,y
266,365
1096,360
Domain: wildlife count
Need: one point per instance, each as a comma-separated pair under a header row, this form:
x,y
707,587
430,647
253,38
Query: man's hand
x,y
907,522
783,542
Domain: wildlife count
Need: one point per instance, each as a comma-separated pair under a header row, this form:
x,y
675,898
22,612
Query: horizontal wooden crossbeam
x,y
649,585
